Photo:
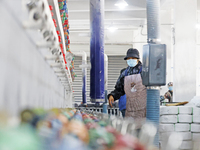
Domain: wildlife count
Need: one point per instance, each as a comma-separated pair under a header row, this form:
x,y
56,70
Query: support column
x,y
84,78
185,50
97,50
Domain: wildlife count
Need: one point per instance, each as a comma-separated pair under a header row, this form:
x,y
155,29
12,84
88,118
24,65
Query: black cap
x,y
132,53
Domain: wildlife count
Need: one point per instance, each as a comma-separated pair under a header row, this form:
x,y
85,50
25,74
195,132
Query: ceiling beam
x,y
110,15
114,19
108,43
119,28
73,31
129,9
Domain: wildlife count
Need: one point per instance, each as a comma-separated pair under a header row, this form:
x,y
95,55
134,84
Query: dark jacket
x,y
122,99
119,87
169,95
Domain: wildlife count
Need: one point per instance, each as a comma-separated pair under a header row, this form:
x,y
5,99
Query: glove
x,y
111,100
162,98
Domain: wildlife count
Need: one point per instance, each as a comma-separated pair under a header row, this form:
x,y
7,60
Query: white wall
x,y
185,50
198,49
198,70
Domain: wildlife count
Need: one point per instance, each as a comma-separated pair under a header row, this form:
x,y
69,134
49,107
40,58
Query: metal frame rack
x,y
35,72
51,25
111,111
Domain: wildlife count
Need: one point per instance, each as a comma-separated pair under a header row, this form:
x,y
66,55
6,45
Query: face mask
x,y
171,88
132,62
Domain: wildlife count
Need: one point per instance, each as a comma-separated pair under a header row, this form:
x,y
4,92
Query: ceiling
x,y
128,21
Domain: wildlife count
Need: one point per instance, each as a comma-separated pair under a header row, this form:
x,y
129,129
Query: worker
x,y
169,94
130,83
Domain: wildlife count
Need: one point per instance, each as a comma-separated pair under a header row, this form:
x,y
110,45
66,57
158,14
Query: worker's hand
x,y
111,100
162,98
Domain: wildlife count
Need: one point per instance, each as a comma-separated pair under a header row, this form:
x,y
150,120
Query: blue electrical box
x,y
154,65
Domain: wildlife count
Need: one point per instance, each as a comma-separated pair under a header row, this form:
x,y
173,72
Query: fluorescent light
x,y
121,4
159,40
112,28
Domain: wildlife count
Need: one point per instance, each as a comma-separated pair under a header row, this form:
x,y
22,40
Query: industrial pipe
x,y
84,75
97,92
153,21
153,109
153,93
105,82
105,72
